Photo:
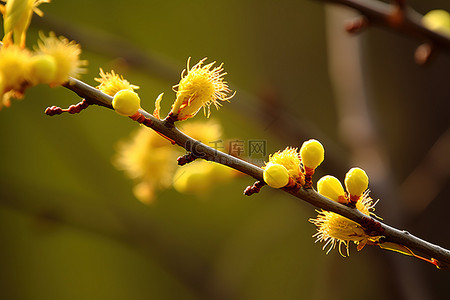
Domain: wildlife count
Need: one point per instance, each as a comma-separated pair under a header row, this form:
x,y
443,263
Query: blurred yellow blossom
x,y
16,19
14,70
149,159
200,86
66,54
200,177
203,131
437,20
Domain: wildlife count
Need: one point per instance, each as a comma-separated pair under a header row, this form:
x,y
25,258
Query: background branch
x,y
404,20
309,195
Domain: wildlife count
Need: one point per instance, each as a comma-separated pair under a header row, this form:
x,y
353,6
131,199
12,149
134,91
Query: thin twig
x,y
309,195
409,22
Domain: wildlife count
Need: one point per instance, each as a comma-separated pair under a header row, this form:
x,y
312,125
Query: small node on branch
x,y
397,16
253,189
185,159
423,53
141,119
73,109
357,25
170,119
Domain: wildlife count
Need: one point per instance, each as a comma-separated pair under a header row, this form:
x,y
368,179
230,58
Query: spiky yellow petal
x,y
66,55
334,229
111,83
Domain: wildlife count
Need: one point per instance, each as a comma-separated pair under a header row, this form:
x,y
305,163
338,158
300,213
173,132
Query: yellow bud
x,y
126,102
42,69
356,181
312,153
437,20
331,187
276,175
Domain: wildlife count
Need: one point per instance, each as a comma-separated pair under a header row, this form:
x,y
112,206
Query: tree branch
x,y
372,226
402,19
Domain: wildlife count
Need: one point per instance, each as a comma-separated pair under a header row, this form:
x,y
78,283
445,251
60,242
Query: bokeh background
x,y
70,227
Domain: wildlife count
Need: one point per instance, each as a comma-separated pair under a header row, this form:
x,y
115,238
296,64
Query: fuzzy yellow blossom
x,y
289,158
200,177
356,182
66,55
334,229
331,187
126,102
200,86
206,132
17,16
149,159
275,175
14,70
111,83
42,69
437,20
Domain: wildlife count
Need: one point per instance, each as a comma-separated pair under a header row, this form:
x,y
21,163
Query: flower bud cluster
x,y
334,229
53,62
356,182
292,167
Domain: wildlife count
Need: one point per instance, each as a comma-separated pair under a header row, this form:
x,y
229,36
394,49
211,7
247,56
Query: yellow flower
x,y
200,86
17,17
312,154
42,69
204,131
111,83
126,102
66,55
331,187
356,182
437,20
149,159
275,175
200,177
334,229
289,158
14,70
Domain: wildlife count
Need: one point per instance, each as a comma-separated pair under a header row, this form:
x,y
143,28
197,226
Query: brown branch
x,y
168,130
401,19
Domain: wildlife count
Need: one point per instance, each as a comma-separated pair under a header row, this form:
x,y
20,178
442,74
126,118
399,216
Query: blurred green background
x,y
70,227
